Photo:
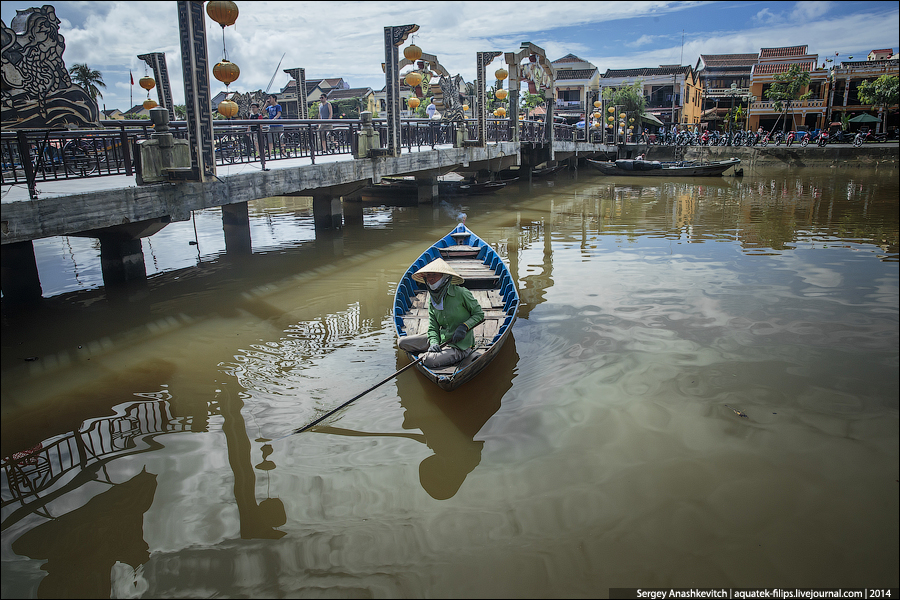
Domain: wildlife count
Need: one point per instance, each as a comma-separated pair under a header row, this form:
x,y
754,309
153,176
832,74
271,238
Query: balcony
x,y
767,107
569,105
726,92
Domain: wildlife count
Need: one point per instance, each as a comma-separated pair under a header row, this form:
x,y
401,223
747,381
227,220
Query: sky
x,y
346,39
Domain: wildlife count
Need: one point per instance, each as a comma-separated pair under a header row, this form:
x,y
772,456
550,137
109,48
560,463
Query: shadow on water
x,y
449,421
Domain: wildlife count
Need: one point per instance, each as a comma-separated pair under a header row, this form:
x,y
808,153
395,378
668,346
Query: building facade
x,y
672,92
575,78
802,114
725,81
843,97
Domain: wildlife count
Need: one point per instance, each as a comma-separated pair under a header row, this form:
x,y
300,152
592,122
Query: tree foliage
x,y
787,88
90,79
881,93
632,98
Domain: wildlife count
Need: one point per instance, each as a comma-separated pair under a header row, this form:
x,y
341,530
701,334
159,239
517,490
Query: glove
x,y
460,333
434,348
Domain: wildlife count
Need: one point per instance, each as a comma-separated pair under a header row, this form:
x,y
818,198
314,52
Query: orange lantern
x,y
413,103
501,112
465,108
226,72
228,108
412,52
501,94
413,79
222,12
501,73
148,83
148,104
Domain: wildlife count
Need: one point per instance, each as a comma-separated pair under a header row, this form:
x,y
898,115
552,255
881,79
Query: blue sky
x,y
345,39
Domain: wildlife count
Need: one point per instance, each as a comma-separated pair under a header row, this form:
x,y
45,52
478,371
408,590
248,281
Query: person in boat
x,y
452,314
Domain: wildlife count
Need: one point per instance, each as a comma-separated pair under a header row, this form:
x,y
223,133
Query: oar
x,y
354,398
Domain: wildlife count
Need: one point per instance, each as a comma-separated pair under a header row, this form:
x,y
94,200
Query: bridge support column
x,y
121,260
327,212
427,188
236,225
20,280
353,214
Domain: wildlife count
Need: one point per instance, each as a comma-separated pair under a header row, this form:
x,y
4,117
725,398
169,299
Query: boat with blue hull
x,y
487,276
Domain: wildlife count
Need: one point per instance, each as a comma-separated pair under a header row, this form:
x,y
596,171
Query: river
x,y
701,390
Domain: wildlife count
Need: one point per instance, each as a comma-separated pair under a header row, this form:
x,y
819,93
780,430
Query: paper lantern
x,y
412,52
222,12
611,109
621,115
413,79
501,94
501,112
413,102
465,107
148,104
597,104
148,83
226,72
501,73
228,108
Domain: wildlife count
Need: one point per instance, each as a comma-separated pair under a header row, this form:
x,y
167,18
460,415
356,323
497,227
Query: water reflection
x,y
650,312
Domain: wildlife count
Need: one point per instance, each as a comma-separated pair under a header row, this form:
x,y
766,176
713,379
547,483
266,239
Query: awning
x,y
865,118
648,118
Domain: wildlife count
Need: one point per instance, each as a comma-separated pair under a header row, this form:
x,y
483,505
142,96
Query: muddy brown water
x,y
701,390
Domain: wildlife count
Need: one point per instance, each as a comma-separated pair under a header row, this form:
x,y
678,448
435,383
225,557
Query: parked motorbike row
x,y
751,138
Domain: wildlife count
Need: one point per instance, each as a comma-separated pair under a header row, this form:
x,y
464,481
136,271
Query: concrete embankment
x,y
753,158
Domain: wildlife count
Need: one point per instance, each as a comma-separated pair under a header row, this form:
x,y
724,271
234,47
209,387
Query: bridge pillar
x,y
236,225
427,188
121,259
327,212
20,280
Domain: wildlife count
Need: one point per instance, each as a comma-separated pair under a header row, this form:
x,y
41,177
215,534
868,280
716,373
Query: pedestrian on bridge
x,y
326,111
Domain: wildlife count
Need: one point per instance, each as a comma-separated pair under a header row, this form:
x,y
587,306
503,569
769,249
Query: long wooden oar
x,y
354,398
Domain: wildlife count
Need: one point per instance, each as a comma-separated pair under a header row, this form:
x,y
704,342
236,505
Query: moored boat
x,y
487,277
408,187
655,168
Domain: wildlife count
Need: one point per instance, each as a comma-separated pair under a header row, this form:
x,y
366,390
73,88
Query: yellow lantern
x,y
413,103
501,94
631,120
621,115
610,119
226,72
412,52
501,112
148,83
596,125
465,107
413,79
228,108
611,109
501,73
596,115
597,104
148,104
224,13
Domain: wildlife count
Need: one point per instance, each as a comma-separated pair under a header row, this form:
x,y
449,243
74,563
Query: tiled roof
x,y
664,70
729,60
351,93
891,50
575,74
773,68
784,52
568,58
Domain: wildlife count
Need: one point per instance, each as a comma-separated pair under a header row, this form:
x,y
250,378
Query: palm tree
x,y
90,79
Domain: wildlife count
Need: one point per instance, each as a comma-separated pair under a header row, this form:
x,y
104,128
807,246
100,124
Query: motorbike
x,y
822,139
806,139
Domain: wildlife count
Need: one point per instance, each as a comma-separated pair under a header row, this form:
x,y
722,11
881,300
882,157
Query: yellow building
x,y
810,113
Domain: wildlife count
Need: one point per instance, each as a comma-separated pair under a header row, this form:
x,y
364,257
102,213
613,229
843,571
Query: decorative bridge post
x,y
157,62
393,38
482,60
197,99
299,76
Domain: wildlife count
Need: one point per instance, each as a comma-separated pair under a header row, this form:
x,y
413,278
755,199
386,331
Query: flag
x,y
132,77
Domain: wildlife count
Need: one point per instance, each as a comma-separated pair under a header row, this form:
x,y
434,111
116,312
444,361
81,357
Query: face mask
x,y
437,285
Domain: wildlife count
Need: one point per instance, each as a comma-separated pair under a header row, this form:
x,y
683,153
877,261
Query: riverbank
x,y
836,156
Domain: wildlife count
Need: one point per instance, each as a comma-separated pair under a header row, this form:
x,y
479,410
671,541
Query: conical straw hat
x,y
438,265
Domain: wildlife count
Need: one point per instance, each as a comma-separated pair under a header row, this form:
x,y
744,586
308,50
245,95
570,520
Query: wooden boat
x,y
408,187
489,280
654,168
514,174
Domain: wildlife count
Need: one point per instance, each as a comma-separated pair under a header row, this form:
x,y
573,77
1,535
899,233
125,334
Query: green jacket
x,y
460,306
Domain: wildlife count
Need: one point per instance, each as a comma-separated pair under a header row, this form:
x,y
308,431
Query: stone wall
x,y
844,157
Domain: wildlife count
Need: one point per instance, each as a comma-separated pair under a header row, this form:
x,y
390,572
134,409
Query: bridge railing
x,y
33,156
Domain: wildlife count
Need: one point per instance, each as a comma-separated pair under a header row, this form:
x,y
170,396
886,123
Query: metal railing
x,y
33,156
